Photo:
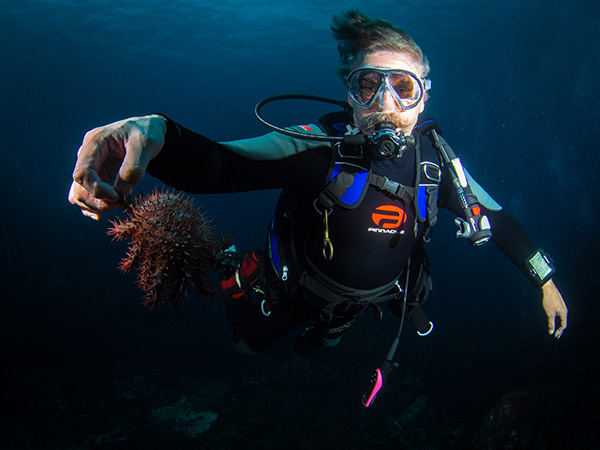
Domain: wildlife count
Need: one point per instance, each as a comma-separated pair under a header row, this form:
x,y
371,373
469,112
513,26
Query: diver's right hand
x,y
112,160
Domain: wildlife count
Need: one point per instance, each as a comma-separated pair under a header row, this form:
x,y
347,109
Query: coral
x,y
185,419
512,421
173,247
408,415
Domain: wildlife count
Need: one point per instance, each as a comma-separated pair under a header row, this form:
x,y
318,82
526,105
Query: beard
x,y
369,122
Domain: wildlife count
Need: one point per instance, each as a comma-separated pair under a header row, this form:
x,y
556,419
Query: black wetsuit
x,y
372,241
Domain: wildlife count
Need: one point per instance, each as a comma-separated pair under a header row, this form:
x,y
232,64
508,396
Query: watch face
x,y
540,265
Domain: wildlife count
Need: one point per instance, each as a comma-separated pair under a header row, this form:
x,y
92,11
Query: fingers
x,y
561,316
88,191
118,153
142,146
94,158
90,206
130,173
112,160
75,199
85,176
551,324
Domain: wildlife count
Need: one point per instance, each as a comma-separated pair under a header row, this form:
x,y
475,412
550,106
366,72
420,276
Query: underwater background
x,y
85,366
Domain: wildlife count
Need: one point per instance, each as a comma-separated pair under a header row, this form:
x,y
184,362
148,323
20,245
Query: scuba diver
x,y
360,192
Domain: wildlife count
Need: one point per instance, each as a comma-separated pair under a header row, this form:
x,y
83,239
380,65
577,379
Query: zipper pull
x,y
284,273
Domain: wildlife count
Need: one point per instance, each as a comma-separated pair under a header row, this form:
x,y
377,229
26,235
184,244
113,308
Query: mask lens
x,y
363,85
405,86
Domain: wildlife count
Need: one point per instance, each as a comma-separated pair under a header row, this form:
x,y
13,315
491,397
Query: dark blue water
x,y
85,366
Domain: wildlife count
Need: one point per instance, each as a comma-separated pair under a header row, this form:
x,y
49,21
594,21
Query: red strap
x,y
249,270
248,273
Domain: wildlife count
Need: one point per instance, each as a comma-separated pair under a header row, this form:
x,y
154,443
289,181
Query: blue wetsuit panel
x,y
274,249
354,192
421,202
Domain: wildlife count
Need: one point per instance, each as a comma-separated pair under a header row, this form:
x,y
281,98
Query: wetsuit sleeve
x,y
508,235
194,163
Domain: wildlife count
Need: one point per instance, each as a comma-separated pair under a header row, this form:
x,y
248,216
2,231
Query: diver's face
x,y
386,109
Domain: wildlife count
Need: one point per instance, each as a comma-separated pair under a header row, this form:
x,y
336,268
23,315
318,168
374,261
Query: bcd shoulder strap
x,y
348,184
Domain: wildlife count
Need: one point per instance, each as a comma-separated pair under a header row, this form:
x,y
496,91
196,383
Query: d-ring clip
x,y
327,244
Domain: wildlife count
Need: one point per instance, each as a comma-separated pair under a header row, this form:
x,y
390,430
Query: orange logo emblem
x,y
389,217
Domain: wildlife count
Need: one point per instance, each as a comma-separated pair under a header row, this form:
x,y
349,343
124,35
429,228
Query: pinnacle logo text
x,y
384,231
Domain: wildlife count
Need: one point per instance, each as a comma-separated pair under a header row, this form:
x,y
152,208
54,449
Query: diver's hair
x,y
358,36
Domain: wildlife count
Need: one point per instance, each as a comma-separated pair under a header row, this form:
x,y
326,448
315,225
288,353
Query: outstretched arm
x,y
515,243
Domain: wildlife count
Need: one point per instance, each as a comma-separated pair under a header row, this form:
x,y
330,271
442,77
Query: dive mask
x,y
366,85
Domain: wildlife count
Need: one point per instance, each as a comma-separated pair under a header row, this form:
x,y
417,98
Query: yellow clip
x,y
327,244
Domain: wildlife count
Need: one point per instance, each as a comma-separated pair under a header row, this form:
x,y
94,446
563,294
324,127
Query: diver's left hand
x,y
555,307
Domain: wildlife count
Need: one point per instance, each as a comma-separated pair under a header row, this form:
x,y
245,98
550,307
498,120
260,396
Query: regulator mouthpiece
x,y
386,143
